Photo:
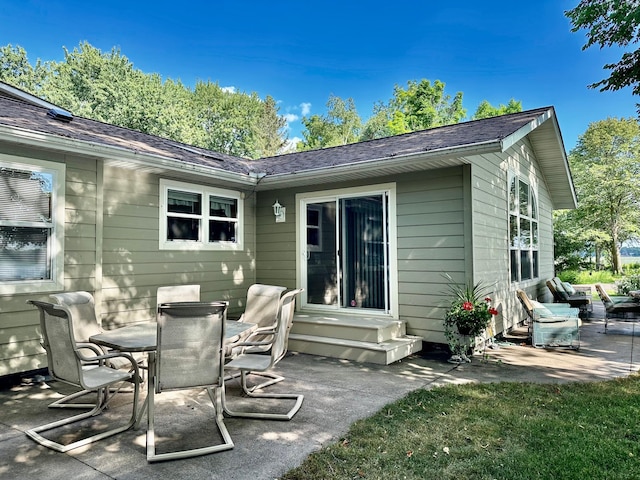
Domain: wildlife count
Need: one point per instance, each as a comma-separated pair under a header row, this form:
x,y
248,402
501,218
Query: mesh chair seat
x,y
189,355
68,362
248,363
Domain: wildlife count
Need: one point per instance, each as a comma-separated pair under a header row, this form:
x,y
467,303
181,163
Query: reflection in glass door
x,y
347,252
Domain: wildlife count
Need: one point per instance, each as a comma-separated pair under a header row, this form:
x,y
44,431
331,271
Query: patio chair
x,y
68,362
248,362
552,325
189,355
177,293
85,324
261,308
617,306
577,300
535,309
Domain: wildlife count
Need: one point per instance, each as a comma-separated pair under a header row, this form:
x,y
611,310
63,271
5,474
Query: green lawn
x,y
493,431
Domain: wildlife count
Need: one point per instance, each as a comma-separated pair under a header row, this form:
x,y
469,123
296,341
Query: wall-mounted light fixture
x,y
280,212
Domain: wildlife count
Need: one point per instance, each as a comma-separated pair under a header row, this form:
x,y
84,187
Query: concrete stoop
x,y
363,339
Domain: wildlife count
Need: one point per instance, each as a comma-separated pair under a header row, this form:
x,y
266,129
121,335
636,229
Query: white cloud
x,y
291,117
229,89
306,108
290,145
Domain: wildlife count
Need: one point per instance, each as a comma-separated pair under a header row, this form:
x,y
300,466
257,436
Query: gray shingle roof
x,y
16,113
464,134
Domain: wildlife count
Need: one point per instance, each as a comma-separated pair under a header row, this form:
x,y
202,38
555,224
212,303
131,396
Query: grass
x,y
492,431
588,277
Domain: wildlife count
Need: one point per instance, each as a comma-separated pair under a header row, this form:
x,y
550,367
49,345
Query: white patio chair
x,y
189,355
178,293
261,363
261,308
69,363
85,323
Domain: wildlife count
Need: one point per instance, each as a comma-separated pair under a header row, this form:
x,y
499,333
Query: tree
x,y
423,105
608,23
606,171
16,70
486,110
270,130
378,125
340,126
105,86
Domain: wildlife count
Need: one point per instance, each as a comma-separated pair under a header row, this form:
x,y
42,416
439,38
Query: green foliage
x,y
495,430
586,277
105,86
486,110
608,23
606,165
569,276
16,70
628,283
340,126
469,313
423,105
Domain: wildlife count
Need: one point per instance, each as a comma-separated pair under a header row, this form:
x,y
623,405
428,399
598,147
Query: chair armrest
x,y
250,344
559,319
96,349
101,357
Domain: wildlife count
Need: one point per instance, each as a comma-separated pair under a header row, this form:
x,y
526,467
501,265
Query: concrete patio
x,y
336,394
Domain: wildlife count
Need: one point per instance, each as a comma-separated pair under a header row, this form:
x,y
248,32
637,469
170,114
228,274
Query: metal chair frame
x,y
67,363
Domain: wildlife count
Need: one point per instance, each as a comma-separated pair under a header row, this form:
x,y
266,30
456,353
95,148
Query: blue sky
x,y
302,52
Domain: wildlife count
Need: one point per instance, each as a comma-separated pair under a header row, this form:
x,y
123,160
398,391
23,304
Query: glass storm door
x,y
346,262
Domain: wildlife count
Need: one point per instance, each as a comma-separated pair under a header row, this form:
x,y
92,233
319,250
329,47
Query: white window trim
x,y
56,282
301,245
533,196
201,244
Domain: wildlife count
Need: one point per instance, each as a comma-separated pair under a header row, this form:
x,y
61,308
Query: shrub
x,y
570,276
628,283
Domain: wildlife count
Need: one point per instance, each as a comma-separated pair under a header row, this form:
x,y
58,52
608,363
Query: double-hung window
x,y
194,217
523,230
31,225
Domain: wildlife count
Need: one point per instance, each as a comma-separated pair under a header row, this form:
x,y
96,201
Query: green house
x,y
367,229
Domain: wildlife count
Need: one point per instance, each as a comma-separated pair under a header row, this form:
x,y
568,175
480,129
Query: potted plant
x,y
468,316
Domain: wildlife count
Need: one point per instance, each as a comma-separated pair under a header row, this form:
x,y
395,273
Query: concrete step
x,y
382,353
357,328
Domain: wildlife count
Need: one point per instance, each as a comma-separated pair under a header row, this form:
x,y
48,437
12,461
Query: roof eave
x,y
118,155
438,158
548,146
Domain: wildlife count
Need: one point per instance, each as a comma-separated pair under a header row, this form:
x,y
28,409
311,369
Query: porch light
x,y
279,211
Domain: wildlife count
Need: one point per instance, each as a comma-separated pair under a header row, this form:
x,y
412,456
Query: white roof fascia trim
x,y
27,97
522,132
381,163
109,152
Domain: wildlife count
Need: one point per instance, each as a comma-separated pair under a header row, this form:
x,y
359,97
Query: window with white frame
x,y
523,230
196,217
31,225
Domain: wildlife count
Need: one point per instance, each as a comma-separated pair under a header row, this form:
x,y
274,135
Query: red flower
x,y
467,306
493,311
487,299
